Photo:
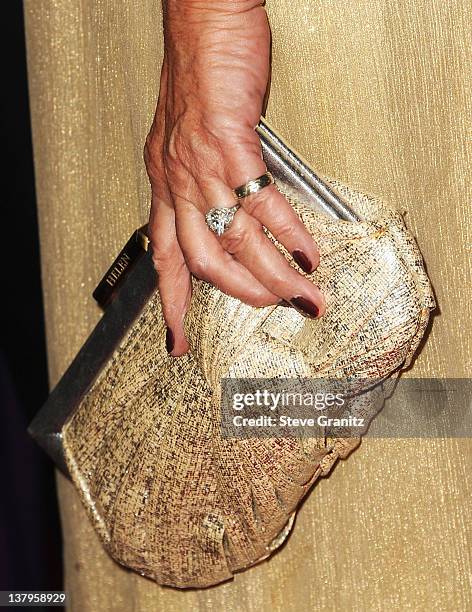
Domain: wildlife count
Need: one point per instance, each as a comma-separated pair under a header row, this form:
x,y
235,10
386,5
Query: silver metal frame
x,y
290,168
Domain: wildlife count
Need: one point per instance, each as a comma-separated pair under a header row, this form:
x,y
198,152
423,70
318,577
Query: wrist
x,y
185,7
199,33
205,24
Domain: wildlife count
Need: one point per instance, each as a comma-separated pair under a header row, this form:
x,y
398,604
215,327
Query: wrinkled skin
x,y
201,145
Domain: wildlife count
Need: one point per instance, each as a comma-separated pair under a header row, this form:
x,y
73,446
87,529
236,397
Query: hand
x,y
201,145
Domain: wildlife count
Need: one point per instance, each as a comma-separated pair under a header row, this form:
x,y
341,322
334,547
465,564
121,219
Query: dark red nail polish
x,y
303,261
306,306
169,340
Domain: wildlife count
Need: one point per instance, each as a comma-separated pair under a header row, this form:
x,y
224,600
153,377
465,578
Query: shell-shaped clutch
x,y
169,496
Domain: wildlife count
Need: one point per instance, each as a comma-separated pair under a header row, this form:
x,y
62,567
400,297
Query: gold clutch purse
x,y
139,432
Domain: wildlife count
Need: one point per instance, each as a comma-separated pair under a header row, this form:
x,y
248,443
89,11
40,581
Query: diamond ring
x,y
219,219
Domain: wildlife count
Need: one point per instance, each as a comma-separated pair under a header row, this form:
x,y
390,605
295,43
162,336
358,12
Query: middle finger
x,y
247,242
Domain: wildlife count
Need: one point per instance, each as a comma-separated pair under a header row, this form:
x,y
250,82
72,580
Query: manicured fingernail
x,y
306,306
169,340
303,261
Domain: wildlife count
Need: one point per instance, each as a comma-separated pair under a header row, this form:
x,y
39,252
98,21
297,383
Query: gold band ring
x,y
254,186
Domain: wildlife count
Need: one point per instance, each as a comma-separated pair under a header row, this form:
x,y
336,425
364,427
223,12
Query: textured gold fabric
x,y
374,93
169,495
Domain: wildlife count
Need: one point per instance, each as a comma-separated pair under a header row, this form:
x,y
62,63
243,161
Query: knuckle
x,y
191,147
266,203
197,143
255,203
175,150
198,266
167,260
239,235
286,231
182,142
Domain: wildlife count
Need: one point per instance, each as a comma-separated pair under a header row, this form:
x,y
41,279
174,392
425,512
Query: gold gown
x,y
375,93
